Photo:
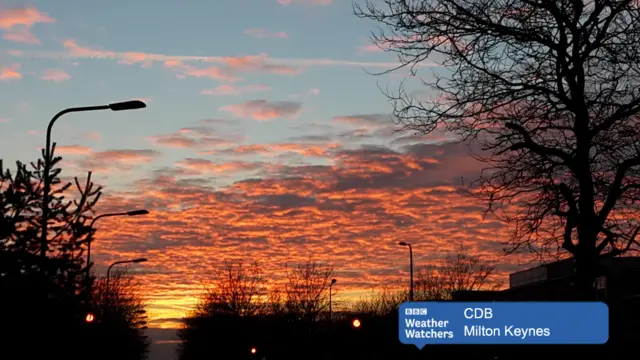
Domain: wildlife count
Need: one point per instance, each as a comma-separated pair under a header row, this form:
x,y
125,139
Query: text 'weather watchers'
x,y
424,323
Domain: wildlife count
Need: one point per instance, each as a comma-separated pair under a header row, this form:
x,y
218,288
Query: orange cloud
x,y
11,72
265,34
226,89
17,23
56,75
350,213
262,110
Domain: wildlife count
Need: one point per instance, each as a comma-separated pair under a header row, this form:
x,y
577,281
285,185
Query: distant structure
x,y
620,281
618,286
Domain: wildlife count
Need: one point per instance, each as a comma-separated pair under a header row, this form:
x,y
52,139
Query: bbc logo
x,y
415,311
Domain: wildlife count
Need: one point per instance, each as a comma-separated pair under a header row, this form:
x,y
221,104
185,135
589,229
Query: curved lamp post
x,y
127,105
139,260
128,213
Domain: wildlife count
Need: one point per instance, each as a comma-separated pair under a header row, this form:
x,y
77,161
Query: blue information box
x,y
432,323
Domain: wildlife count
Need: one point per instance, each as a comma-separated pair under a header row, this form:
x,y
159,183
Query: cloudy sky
x,y
265,138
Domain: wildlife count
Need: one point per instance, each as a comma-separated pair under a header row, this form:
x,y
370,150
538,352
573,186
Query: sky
x,y
266,137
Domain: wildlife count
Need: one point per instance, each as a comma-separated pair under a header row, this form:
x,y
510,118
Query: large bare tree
x,y
237,290
459,272
305,293
550,89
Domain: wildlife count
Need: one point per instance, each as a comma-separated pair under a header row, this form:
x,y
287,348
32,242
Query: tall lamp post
x,y
139,260
402,243
128,213
333,281
127,105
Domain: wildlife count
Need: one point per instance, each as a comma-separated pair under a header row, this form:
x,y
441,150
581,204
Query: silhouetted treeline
x,y
47,291
289,319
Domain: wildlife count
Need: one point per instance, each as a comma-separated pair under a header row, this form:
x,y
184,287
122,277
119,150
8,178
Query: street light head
x,y
356,323
139,260
333,281
402,243
89,318
137,212
127,105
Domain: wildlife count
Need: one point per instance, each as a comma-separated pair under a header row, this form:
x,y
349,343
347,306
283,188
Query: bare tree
x,y
460,272
550,91
305,293
124,301
237,290
122,316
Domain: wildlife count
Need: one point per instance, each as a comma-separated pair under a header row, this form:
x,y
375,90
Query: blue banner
x,y
431,323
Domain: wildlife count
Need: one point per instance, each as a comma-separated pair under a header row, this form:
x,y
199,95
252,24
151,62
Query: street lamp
x,y
128,213
333,281
402,243
118,263
127,105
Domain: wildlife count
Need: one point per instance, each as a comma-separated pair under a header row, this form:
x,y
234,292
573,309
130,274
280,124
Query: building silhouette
x,y
618,286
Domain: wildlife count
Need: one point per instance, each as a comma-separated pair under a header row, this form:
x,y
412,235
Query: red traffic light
x,y
253,350
356,323
89,318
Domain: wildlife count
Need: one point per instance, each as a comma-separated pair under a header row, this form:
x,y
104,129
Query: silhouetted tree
x,y
225,321
237,290
382,302
550,91
22,279
306,290
121,318
460,272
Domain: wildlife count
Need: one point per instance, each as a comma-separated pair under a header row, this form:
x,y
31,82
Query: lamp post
x,y
128,213
107,297
127,105
402,243
333,281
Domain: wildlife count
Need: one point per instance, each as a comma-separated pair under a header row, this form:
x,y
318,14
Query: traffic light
x,y
253,351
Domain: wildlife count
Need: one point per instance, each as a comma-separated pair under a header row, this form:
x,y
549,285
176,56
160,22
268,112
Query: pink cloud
x,y
123,160
213,72
262,110
265,34
172,63
21,34
84,52
73,150
233,90
4,120
10,72
56,75
17,23
207,166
